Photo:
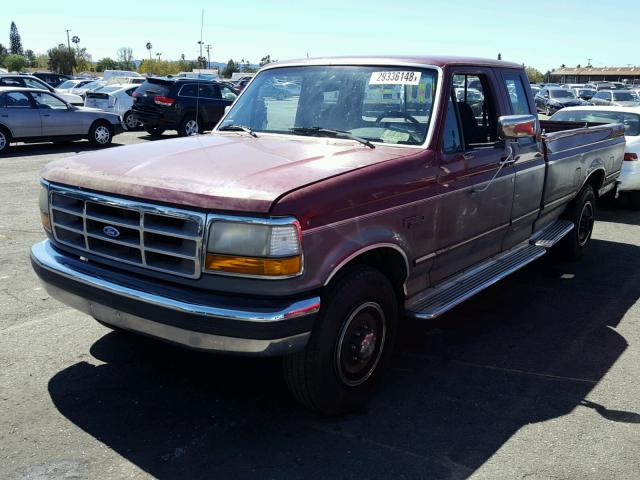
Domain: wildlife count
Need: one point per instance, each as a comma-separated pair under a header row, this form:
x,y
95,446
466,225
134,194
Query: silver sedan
x,y
31,115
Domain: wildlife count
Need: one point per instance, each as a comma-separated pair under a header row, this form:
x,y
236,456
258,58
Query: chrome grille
x,y
149,236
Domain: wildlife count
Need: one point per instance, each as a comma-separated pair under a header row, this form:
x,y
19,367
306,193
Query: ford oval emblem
x,y
110,231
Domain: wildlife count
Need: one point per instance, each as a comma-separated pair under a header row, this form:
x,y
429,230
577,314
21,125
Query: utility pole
x,y
69,47
209,55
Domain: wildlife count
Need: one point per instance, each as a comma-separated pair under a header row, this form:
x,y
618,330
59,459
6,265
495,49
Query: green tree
x,y
42,61
534,75
265,60
15,42
230,69
61,59
31,58
106,64
83,60
3,54
16,63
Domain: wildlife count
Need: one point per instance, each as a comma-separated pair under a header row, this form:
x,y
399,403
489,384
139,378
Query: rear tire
x,y
100,134
349,346
189,126
5,140
582,212
154,131
129,121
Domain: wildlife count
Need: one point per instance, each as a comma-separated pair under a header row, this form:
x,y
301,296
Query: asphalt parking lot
x,y
535,378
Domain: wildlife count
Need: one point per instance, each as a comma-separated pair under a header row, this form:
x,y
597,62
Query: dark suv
x,y
163,103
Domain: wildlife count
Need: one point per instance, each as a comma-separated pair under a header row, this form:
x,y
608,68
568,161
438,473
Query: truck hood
x,y
219,171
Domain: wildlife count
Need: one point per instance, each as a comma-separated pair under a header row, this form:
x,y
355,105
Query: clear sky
x,y
544,34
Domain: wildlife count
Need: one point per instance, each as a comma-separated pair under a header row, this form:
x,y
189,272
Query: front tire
x,y
582,212
5,140
100,135
350,345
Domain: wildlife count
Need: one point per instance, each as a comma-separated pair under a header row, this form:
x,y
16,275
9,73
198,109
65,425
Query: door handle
x,y
507,161
46,115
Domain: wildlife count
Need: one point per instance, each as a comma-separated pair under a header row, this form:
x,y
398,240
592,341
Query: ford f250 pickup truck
x,y
310,225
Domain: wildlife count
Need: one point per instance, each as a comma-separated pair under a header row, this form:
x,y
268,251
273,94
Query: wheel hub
x,y
360,344
585,224
102,134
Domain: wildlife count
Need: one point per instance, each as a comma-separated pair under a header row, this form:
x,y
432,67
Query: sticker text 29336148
x,y
395,78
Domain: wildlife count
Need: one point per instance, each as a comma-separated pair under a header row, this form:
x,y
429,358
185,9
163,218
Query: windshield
x,y
92,85
623,97
562,93
631,121
390,105
68,84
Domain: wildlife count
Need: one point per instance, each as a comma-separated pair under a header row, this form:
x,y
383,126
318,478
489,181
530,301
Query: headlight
x,y
43,205
254,248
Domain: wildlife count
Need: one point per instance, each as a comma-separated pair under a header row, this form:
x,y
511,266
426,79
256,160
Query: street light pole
x,y
69,47
208,56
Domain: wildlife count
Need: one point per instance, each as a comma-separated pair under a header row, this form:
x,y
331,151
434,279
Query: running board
x,y
442,298
552,234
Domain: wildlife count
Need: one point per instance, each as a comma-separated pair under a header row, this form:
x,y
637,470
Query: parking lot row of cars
x,y
599,103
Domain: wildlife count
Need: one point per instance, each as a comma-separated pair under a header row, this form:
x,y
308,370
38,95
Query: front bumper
x,y
215,323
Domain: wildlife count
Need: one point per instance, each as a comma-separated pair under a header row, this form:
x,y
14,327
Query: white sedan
x,y
629,181
115,98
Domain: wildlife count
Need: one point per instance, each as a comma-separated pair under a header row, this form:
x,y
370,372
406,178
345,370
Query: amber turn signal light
x,y
46,223
267,267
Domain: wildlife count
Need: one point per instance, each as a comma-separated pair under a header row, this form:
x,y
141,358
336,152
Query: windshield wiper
x,y
331,132
237,128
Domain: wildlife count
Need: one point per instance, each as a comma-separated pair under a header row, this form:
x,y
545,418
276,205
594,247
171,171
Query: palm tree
x,y
76,39
149,47
158,54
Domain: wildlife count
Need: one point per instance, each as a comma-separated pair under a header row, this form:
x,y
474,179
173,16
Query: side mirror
x,y
512,127
226,109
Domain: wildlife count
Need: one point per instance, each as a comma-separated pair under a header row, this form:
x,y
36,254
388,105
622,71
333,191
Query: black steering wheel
x,y
396,114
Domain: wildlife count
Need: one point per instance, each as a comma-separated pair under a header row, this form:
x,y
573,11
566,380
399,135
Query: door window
x,y
451,137
48,101
227,93
476,109
517,95
11,82
15,100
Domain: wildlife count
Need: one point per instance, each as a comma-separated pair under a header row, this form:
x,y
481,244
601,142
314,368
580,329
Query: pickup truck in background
x,y
310,226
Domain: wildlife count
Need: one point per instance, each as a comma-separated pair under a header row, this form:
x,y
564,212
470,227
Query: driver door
x,y
476,176
56,116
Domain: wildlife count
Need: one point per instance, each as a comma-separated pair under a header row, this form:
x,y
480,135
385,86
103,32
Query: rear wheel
x,y
5,140
129,121
154,131
189,126
100,134
582,212
349,346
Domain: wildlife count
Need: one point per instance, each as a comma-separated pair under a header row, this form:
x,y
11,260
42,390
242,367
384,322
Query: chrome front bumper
x,y
274,329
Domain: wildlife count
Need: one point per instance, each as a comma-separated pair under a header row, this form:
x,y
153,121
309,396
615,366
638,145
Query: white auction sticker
x,y
395,78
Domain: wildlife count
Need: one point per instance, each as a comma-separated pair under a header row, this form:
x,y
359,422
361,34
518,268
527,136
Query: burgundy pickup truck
x,y
335,198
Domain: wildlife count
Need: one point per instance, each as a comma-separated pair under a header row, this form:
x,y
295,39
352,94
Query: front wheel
x,y
582,212
5,140
100,135
349,346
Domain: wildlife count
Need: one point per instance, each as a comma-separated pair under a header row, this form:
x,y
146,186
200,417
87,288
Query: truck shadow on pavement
x,y
527,350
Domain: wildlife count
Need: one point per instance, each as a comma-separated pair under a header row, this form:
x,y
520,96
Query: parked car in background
x,y
598,86
68,85
584,93
30,115
186,105
551,99
53,79
29,81
629,180
572,86
88,87
116,99
620,98
125,80
535,89
108,74
240,84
